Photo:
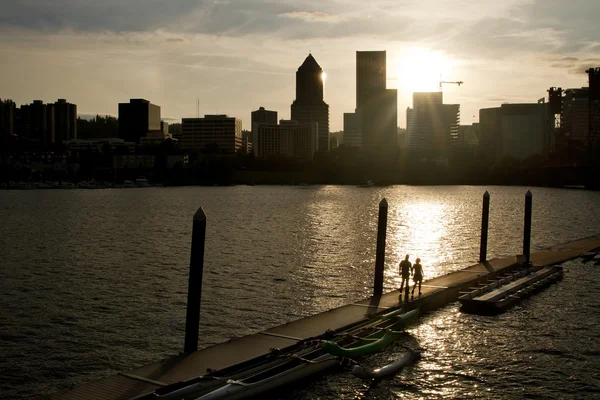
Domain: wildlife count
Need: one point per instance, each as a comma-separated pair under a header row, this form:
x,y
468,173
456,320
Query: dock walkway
x,y
436,293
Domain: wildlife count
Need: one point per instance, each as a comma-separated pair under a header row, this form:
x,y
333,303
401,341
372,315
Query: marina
x,y
237,369
97,340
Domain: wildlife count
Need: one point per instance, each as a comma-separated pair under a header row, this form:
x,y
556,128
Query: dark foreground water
x,y
95,282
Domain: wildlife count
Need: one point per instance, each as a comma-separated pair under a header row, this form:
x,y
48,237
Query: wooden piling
x,y
380,255
485,217
192,319
527,227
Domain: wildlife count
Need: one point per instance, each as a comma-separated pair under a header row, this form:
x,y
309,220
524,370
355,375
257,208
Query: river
x,y
93,282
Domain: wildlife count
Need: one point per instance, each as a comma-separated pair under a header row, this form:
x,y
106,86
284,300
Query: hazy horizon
x,y
238,56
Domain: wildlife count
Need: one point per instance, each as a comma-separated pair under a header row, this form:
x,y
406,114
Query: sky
x,y
237,55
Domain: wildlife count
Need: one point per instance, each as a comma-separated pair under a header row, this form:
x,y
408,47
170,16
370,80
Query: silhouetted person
x,y
417,275
404,270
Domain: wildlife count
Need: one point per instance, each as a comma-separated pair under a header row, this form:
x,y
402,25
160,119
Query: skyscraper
x,y
374,123
309,106
432,125
370,76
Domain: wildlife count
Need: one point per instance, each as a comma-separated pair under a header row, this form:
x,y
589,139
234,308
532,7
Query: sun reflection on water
x,y
418,229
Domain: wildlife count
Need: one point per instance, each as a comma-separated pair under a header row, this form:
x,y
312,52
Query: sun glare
x,y
323,76
420,70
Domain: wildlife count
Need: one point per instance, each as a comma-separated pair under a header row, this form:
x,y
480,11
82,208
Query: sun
x,y
419,70
323,76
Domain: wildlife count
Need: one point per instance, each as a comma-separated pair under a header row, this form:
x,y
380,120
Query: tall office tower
x,y
432,125
309,106
376,106
137,118
370,76
65,120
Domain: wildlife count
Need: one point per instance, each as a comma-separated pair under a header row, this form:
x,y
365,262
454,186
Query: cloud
x,y
309,16
574,65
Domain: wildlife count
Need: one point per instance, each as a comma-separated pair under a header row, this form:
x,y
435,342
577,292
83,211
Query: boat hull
x,y
387,371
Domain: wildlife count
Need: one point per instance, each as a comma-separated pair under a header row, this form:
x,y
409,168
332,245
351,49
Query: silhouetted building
x,y
574,118
374,123
262,116
175,130
7,118
137,118
333,143
259,117
370,76
288,139
164,127
432,126
554,137
593,142
402,139
36,121
352,131
309,107
467,136
490,136
247,141
65,120
216,134
513,130
523,129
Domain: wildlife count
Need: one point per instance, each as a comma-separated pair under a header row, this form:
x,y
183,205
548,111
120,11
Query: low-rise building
x,y
288,139
216,134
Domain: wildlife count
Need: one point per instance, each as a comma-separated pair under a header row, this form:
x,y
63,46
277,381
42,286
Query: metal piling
x,y
192,319
380,254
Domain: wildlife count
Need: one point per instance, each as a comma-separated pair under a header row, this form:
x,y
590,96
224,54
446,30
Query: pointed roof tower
x,y
310,63
309,82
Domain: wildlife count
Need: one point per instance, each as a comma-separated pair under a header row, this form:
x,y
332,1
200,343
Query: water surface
x,y
95,282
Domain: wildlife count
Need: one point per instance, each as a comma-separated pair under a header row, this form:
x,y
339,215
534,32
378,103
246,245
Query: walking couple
x,y
406,269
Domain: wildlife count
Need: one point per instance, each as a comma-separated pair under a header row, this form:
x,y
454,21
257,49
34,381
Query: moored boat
x,y
297,367
142,182
127,184
388,370
374,343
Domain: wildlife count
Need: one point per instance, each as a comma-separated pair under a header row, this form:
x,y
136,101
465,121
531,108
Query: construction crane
x,y
457,83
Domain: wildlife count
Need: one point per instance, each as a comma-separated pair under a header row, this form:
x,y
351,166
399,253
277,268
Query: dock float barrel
x,y
192,318
380,255
485,218
527,227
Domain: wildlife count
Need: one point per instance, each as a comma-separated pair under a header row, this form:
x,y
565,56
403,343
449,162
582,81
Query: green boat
x,y
377,340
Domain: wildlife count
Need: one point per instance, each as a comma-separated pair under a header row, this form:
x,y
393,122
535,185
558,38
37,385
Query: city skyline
x,y
238,56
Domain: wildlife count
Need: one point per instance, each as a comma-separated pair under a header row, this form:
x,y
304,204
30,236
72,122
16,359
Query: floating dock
x,y
438,292
505,292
